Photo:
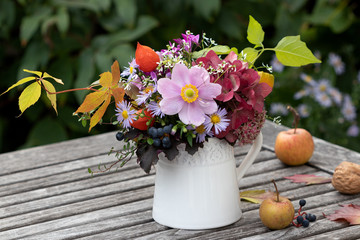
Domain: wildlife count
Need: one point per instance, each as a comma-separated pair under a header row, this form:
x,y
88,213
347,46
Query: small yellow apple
x,y
276,212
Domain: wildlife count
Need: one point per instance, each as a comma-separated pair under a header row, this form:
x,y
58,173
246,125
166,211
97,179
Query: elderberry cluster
x,y
303,219
161,136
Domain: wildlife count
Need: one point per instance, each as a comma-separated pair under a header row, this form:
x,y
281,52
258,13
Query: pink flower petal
x,y
198,76
208,107
171,106
168,88
209,91
231,57
180,74
192,114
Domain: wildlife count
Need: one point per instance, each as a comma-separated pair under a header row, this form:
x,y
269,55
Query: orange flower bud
x,y
140,123
146,58
266,78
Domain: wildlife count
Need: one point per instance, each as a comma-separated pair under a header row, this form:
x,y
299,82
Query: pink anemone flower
x,y
189,93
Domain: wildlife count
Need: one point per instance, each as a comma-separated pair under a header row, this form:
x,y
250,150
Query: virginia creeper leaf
x,y
256,196
106,80
29,96
115,71
92,101
291,51
255,33
44,75
21,81
309,179
348,212
51,97
99,113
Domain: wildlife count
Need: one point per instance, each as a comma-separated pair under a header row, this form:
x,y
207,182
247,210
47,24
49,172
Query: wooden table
x,y
47,193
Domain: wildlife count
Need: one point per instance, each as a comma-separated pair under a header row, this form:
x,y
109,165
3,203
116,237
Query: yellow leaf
x,y
44,75
29,96
115,71
99,113
118,94
106,80
92,101
51,97
58,80
21,81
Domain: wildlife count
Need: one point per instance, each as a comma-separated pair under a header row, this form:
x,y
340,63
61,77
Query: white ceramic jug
x,y
201,191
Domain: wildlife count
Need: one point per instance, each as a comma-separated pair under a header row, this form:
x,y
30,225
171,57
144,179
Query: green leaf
x,y
218,49
29,96
255,33
127,10
256,196
150,141
250,54
291,51
21,81
51,97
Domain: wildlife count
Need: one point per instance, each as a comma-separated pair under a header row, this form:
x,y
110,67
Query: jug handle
x,y
250,157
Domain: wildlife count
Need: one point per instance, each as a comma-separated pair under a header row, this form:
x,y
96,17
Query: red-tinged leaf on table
x,y
309,179
348,212
256,196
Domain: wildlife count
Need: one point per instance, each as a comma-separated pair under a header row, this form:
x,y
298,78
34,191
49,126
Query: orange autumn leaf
x,y
118,94
92,101
115,71
106,80
99,113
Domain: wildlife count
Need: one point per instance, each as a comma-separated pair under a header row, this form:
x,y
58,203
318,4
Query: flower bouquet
x,y
188,92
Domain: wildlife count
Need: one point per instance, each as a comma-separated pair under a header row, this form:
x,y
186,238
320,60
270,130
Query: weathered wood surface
x,y
47,193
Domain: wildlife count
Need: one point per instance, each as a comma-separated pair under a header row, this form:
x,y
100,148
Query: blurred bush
x,y
76,40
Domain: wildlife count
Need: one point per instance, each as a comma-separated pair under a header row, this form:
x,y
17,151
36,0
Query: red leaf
x,y
348,212
309,179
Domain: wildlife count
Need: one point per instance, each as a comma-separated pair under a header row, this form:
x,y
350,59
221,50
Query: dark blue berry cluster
x,y
161,136
303,218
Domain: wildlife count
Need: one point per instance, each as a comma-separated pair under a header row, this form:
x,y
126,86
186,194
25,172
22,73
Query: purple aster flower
x,y
348,109
353,131
276,64
125,114
145,94
201,133
322,86
303,110
303,93
217,120
336,95
189,93
278,109
130,71
308,79
323,99
337,63
155,110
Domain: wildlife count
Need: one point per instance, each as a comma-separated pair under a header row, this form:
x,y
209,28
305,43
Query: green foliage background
x,y
76,40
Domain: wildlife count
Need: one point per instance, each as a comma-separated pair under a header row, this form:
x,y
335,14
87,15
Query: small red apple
x,y
295,146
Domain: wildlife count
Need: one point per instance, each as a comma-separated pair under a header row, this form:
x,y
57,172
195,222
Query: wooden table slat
x,y
47,193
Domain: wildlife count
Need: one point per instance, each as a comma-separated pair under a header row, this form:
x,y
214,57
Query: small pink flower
x,y
188,93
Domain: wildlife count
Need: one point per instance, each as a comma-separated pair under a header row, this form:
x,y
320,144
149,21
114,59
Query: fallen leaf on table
x,y
348,212
309,179
256,196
